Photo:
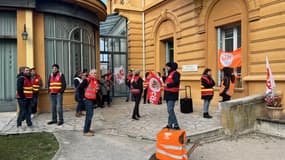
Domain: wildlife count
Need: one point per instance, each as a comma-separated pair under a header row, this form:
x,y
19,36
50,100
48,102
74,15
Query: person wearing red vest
x,y
207,91
227,85
171,93
24,95
128,83
37,84
90,86
56,87
136,89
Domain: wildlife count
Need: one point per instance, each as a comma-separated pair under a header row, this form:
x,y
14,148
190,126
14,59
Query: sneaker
x,y
52,122
206,115
89,134
32,116
60,123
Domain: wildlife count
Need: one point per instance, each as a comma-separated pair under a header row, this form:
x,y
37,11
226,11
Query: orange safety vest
x,y
36,83
171,145
28,89
55,83
206,91
230,91
91,90
170,80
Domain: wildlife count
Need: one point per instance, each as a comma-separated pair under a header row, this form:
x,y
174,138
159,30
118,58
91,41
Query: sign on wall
x,y
190,68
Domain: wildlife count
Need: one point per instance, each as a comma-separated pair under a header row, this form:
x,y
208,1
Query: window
x,y
229,39
70,43
169,50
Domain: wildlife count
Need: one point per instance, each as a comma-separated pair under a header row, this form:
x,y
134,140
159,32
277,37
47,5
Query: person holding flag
x,y
228,84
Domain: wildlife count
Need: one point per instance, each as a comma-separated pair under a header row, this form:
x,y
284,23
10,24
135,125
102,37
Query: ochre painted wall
x,y
192,24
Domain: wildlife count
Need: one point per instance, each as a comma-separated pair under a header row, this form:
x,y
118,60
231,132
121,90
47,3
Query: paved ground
x,y
116,120
114,127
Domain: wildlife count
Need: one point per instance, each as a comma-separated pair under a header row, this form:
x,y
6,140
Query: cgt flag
x,y
154,88
270,83
229,59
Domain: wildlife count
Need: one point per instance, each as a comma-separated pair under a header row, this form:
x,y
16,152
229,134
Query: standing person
x,y
171,93
145,87
109,79
90,86
37,84
161,80
207,91
228,84
136,89
103,83
128,83
56,87
24,96
78,96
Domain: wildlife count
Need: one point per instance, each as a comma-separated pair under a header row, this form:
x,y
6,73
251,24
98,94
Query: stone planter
x,y
274,112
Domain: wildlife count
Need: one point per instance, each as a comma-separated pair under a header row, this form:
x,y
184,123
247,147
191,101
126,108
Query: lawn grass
x,y
32,146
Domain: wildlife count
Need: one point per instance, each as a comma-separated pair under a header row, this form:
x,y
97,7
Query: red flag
x,y
154,88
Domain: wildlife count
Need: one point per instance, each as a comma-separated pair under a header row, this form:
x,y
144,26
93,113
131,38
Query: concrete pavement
x,y
113,126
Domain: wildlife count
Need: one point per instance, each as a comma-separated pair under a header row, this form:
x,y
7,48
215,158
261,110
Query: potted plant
x,y
273,105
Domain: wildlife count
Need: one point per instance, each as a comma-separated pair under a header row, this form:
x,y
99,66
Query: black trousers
x,y
145,96
136,107
25,112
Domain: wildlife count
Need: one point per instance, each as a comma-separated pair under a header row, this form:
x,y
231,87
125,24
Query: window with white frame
x,y
229,39
70,43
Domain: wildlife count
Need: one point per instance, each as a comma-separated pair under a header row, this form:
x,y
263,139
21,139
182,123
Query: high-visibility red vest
x,y
230,91
169,79
55,83
91,90
27,88
171,145
206,91
36,83
145,83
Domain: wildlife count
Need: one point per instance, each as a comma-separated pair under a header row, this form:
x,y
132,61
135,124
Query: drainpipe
x,y
143,37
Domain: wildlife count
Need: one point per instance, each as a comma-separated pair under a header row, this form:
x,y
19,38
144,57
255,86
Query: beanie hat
x,y
169,64
55,65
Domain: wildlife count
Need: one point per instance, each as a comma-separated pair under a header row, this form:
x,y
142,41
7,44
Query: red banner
x,y
154,88
229,59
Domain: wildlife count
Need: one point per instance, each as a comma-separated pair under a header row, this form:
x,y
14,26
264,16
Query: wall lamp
x,y
25,33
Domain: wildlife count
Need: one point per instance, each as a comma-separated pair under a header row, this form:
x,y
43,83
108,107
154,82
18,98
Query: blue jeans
x,y
128,92
56,99
89,114
80,106
25,112
206,105
172,121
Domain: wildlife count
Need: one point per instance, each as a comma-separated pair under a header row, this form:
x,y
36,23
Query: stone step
x,y
207,136
271,127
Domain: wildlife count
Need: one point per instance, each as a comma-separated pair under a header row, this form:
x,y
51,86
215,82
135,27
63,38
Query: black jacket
x,y
173,95
20,86
138,84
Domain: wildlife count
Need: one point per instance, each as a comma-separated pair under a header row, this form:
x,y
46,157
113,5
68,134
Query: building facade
x,y
65,32
190,32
